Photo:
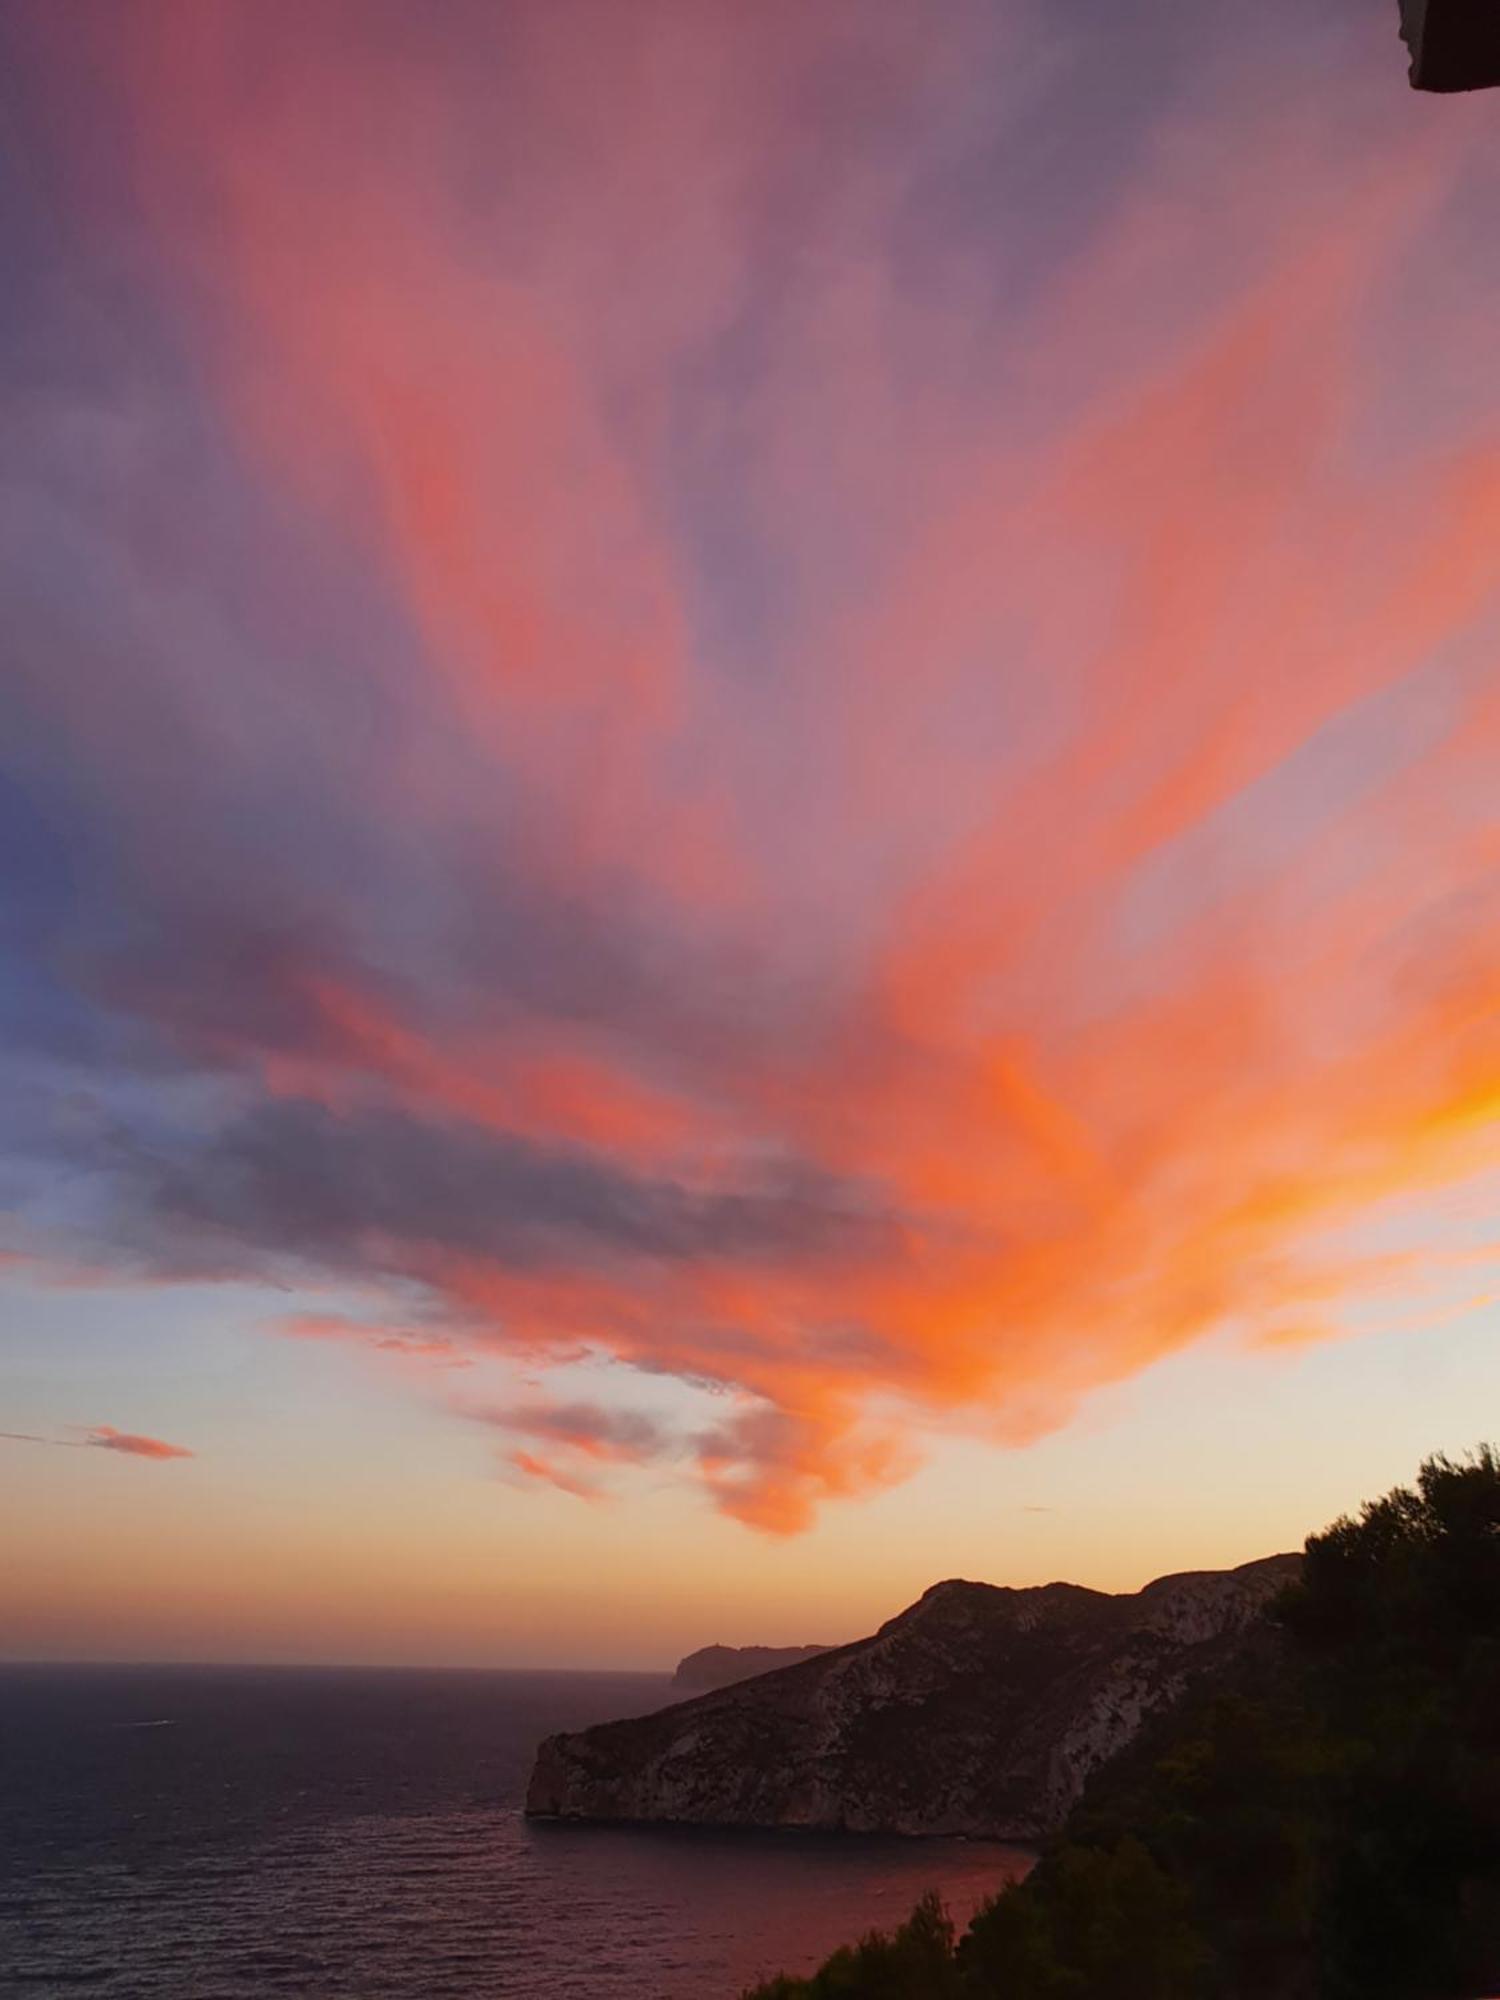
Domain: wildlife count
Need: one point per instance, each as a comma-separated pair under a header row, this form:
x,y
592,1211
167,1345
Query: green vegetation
x,y
1325,1828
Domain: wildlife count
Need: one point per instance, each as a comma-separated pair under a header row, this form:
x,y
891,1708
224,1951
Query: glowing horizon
x,y
752,759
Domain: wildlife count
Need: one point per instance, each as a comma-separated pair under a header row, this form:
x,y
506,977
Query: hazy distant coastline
x,y
721,1666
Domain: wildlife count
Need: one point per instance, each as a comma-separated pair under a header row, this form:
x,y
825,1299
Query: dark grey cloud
x,y
293,1179
587,1427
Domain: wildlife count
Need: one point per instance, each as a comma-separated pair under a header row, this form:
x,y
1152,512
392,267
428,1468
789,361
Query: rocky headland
x,y
720,1666
978,1710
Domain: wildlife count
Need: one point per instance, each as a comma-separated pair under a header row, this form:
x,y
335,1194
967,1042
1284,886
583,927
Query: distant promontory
x,y
720,1666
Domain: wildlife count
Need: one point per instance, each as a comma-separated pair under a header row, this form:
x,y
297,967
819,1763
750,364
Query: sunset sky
x,y
749,809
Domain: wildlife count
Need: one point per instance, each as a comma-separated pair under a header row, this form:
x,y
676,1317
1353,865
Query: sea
x,y
228,1833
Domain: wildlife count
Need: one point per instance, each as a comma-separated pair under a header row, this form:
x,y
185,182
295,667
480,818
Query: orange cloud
x,y
107,1438
928,851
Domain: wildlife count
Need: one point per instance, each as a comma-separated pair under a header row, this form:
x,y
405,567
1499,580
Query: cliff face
x,y
718,1666
977,1710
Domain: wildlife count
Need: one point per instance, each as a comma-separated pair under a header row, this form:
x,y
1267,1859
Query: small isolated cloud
x,y
107,1438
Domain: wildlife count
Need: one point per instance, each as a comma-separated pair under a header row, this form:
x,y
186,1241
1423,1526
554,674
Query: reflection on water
x,y
358,1833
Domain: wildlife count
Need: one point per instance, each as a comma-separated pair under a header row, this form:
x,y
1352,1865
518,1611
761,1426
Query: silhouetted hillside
x,y
977,1710
1322,1823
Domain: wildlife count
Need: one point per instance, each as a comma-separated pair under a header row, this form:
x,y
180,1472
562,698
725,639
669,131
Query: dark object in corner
x,y
1455,44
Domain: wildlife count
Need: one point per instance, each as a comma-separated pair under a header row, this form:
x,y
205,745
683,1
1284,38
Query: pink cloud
x,y
980,911
106,1438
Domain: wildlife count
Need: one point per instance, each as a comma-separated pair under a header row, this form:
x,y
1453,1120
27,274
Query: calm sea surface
x,y
201,1833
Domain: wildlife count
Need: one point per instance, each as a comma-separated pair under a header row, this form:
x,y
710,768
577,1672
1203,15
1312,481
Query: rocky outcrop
x,y
719,1666
977,1711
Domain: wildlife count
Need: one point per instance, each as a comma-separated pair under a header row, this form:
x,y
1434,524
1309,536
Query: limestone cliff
x,y
718,1666
977,1710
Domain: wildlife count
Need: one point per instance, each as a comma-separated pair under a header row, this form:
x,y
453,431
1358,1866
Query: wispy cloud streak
x,y
104,1437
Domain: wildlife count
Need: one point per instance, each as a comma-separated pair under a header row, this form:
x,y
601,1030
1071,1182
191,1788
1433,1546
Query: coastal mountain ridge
x,y
978,1710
